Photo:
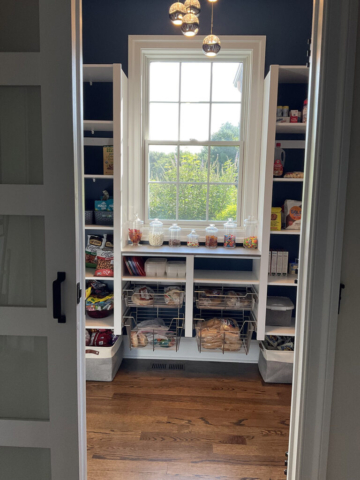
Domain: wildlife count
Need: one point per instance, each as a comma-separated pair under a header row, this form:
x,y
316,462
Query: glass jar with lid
x,y
211,236
230,234
193,239
251,239
135,230
156,233
175,235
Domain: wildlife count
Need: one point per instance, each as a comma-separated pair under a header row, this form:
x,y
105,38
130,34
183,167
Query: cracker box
x,y
108,160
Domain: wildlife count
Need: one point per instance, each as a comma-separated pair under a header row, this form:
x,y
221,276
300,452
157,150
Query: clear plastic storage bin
x,y
176,269
279,311
155,267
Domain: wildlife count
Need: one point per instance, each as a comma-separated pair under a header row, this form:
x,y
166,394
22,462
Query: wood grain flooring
x,y
210,421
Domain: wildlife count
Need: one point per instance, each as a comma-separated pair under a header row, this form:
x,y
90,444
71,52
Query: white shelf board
x,y
98,227
288,180
277,330
98,73
107,322
98,142
288,281
145,279
296,128
99,176
292,144
225,277
89,274
184,250
98,125
285,232
293,74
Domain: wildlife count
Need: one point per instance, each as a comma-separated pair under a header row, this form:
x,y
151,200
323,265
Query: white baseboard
x,y
188,351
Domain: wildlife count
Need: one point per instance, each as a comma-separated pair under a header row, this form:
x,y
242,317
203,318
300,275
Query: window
x,y
194,147
194,129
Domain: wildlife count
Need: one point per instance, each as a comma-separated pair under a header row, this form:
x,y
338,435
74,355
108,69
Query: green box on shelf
x,y
110,204
101,205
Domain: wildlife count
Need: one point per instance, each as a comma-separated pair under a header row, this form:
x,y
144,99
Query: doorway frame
x,y
327,155
331,84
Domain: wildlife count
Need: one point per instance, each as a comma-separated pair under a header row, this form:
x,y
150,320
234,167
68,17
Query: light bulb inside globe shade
x,y
211,45
193,6
212,1
190,25
177,12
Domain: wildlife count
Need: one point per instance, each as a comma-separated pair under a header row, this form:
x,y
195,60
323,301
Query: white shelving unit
x,y
114,75
270,128
225,277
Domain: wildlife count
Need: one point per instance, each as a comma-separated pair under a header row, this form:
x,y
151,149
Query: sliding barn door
x,y
41,429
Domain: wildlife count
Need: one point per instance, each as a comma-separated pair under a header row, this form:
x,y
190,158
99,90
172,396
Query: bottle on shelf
x,y
156,233
135,230
175,235
211,236
193,239
251,239
304,112
230,234
279,160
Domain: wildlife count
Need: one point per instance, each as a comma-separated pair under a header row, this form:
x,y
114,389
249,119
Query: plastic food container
x,y
155,267
193,239
211,236
279,311
251,239
230,234
175,236
135,230
156,233
176,269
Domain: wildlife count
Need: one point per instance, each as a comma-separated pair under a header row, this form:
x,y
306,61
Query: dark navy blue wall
x,y
286,24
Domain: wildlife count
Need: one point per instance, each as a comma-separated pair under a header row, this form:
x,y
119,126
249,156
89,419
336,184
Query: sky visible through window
x,y
194,102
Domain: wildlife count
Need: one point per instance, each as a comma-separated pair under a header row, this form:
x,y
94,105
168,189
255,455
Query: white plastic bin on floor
x,y
276,366
102,363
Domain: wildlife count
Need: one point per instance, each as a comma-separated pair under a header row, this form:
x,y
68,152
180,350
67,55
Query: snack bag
x,y
292,213
94,242
105,264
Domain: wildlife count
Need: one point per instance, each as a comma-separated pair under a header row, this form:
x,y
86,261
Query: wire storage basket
x,y
229,332
225,298
153,330
156,296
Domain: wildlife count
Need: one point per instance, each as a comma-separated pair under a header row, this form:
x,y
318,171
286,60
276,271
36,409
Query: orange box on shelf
x,y
108,159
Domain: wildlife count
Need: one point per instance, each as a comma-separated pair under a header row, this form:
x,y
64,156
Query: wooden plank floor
x,y
210,421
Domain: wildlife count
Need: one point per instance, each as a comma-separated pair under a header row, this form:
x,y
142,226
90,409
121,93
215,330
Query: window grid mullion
x,y
210,116
178,147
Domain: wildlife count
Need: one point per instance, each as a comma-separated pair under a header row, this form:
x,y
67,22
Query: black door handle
x,y
57,297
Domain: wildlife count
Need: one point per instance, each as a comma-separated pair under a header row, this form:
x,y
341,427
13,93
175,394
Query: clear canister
x,y
193,239
156,233
251,227
211,236
135,230
230,234
175,235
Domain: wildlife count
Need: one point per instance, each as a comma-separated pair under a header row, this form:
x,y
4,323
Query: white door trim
x,y
327,154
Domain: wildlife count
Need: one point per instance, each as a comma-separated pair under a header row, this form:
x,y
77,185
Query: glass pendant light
x,y
177,12
193,6
212,1
211,44
190,25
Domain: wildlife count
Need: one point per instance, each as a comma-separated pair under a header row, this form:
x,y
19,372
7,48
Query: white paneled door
x,y
42,429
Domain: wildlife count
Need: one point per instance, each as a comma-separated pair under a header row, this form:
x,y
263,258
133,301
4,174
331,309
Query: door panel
x,y
22,261
21,159
42,427
19,26
24,372
25,463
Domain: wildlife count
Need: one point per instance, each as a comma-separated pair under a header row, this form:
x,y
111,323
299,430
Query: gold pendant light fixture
x,y
186,16
211,44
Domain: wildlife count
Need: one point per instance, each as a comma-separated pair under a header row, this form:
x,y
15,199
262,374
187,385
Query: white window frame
x,y
249,50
